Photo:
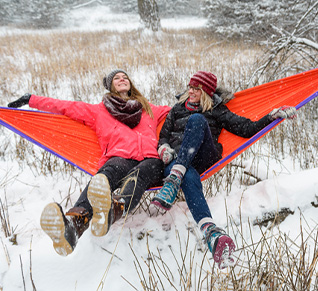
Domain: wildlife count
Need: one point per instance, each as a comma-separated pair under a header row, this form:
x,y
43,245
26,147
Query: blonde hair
x,y
134,94
206,101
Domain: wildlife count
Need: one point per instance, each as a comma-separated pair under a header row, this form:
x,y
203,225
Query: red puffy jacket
x,y
115,138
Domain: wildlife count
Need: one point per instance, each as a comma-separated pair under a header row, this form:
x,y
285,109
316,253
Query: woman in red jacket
x,y
125,124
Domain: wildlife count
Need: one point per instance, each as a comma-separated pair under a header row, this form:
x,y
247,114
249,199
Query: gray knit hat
x,y
107,81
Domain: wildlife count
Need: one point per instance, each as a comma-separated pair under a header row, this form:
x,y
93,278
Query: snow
x,y
27,194
109,262
100,18
94,19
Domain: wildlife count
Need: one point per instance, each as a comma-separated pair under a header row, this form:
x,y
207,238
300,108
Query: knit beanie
x,y
107,81
205,80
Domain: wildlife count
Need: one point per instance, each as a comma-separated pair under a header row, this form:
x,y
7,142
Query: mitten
x,y
166,153
290,111
21,101
283,112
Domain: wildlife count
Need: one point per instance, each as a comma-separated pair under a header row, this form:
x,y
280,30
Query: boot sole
x,y
161,203
99,196
52,222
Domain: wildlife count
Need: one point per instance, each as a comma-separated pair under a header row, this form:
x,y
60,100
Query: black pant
x,y
134,177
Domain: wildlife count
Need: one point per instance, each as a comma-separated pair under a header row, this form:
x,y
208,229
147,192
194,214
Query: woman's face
x,y
121,83
194,94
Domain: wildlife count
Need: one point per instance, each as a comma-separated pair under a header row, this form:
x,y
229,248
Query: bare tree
x,y
252,19
149,14
290,51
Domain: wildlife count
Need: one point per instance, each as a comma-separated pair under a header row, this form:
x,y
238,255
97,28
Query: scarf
x,y
128,112
192,106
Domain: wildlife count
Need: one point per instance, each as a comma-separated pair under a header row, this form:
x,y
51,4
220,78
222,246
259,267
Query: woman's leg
x,y
95,203
218,242
197,148
192,188
97,196
115,169
146,174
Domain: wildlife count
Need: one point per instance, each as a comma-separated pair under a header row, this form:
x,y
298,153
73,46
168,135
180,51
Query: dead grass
x,y
71,65
43,62
274,261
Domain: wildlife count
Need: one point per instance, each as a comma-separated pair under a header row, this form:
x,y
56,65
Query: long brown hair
x,y
134,94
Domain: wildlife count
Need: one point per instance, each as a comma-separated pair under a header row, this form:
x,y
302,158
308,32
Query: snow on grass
x,y
25,193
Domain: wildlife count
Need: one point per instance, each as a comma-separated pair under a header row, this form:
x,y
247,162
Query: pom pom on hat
x,y
107,81
205,80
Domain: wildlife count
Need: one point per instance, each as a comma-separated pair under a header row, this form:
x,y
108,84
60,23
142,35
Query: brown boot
x,y
79,218
119,208
60,230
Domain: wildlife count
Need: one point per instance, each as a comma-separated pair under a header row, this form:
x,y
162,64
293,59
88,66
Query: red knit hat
x,y
205,80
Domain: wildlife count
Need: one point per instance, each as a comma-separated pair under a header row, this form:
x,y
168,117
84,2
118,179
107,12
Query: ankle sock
x,y
204,224
206,227
178,168
178,171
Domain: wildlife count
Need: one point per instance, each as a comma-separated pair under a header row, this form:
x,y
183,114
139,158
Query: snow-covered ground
x,y
91,18
100,17
84,269
92,266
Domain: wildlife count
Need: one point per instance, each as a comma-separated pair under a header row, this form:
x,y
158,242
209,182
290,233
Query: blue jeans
x,y
197,153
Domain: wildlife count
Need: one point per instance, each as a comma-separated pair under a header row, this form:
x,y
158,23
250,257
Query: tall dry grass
x,y
71,65
273,261
45,63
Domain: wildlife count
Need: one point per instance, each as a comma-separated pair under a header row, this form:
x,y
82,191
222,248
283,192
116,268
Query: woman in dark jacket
x,y
188,145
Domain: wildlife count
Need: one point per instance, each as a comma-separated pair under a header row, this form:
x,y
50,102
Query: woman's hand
x,y
166,153
21,101
283,112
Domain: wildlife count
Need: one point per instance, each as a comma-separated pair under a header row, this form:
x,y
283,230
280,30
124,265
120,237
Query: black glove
x,y
21,101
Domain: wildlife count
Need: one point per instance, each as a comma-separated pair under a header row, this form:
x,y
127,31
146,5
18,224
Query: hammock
x,y
77,144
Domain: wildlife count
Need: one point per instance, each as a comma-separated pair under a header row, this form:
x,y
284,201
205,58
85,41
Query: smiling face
x,y
194,94
121,83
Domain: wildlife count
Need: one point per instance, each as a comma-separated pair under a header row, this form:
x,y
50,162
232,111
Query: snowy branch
x,y
306,42
310,10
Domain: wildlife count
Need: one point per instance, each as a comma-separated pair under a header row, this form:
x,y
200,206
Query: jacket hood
x,y
222,96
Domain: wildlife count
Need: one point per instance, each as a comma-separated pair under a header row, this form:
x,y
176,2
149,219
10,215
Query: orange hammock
x,y
78,145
